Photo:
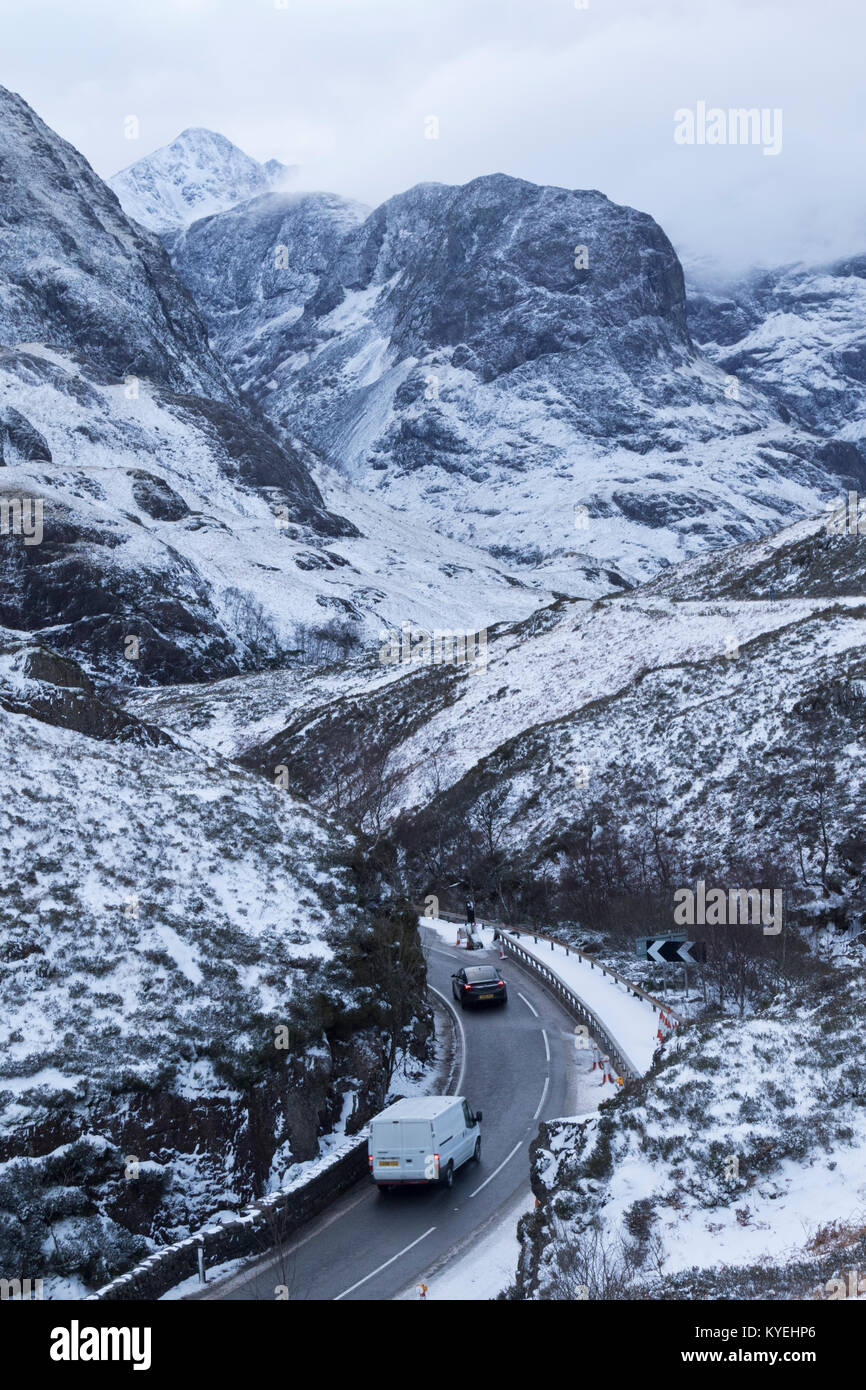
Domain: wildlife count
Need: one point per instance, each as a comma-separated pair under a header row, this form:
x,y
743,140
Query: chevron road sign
x,y
668,952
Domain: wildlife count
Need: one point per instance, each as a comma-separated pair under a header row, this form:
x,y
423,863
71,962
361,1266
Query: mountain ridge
x,y
493,357
199,173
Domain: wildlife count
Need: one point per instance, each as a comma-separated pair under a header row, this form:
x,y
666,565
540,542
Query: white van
x,y
423,1140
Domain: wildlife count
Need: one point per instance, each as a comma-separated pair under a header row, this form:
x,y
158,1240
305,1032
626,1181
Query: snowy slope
x,y
454,355
162,915
735,1169
198,174
798,335
688,695
183,523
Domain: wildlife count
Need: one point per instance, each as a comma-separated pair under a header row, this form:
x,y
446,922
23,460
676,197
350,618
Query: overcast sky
x,y
540,89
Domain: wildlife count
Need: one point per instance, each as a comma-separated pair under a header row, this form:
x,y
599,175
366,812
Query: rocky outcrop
x,y
19,440
509,364
797,334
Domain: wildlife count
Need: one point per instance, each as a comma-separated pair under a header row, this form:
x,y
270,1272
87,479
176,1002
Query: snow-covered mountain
x,y
509,363
173,512
798,334
77,274
198,174
727,669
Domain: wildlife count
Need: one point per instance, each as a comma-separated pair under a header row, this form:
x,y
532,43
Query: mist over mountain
x,y
798,334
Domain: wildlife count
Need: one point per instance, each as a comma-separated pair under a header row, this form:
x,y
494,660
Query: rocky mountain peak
x,y
198,174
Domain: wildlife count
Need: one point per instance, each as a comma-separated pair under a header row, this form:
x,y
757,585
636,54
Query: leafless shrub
x,y
316,644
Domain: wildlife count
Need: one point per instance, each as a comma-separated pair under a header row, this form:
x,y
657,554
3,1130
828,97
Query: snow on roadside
x,y
484,1267
630,1020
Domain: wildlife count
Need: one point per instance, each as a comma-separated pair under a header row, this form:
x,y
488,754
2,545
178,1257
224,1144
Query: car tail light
x,y
501,982
467,986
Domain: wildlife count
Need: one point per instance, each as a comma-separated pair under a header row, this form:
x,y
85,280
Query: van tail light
x,y
370,1161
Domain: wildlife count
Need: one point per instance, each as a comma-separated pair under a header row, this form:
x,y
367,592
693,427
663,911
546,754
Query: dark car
x,y
478,984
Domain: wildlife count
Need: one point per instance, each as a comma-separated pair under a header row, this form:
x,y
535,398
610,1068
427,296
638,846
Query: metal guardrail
x,y
592,961
573,1002
576,1006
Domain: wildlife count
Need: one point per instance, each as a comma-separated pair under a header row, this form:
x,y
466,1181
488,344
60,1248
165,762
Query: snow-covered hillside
x,y
798,335
198,174
735,1169
690,685
509,363
163,916
183,523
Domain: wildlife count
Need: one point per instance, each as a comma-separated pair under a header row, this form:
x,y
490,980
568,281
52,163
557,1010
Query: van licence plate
x,y
389,1163
485,996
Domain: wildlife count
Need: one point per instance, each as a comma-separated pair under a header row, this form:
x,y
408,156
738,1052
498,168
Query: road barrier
x,y
572,1001
576,1007
658,1005
258,1228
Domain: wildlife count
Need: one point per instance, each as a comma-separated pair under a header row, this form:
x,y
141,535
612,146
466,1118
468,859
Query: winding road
x,y
519,1065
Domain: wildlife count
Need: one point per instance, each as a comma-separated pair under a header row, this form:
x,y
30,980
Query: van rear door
x,y
417,1149
400,1150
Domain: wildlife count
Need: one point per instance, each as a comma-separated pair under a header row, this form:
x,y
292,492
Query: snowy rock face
x,y
255,267
492,357
198,174
76,273
173,513
798,334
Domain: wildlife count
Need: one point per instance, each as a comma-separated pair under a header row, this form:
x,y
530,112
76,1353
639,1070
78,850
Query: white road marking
x,y
367,1277
527,1003
458,1020
546,1044
543,1095
495,1171
258,1270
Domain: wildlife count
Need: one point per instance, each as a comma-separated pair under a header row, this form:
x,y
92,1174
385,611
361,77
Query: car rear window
x,y
478,973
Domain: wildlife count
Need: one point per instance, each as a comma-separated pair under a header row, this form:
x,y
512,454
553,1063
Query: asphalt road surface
x,y
519,1066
